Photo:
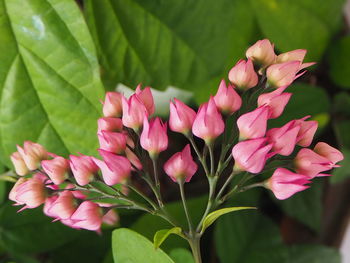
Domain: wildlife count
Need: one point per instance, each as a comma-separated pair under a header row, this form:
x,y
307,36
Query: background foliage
x,y
58,57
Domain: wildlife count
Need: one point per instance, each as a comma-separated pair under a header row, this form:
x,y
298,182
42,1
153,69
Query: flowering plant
x,y
83,191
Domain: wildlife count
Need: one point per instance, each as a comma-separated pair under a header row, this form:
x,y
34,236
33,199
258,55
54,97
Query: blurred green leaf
x,y
343,172
339,60
129,246
313,254
306,206
290,25
49,77
181,255
31,231
303,103
162,43
148,224
88,247
161,235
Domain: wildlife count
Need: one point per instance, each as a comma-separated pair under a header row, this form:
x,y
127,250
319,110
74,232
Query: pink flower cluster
x,y
128,127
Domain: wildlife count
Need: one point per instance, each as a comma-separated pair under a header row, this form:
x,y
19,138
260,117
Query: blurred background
x,y
58,57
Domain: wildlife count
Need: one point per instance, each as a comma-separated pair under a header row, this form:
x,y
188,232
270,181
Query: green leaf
x,y
163,234
129,246
181,255
210,219
49,77
343,172
306,206
339,60
19,230
290,25
303,103
162,43
313,254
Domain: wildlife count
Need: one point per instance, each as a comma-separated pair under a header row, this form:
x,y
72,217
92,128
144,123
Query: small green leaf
x,y
129,246
210,219
161,235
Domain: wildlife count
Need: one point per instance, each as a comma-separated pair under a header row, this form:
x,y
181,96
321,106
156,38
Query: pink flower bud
x,y
283,74
19,164
283,139
309,163
48,203
64,206
276,100
251,155
243,75
181,167
109,124
154,138
112,106
114,142
133,112
181,117
133,159
329,152
110,218
115,168
253,124
13,192
146,97
88,216
262,53
32,154
283,183
294,55
226,99
30,193
208,124
306,132
56,169
83,168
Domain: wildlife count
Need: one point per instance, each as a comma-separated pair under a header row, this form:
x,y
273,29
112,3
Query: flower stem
x,y
196,249
183,198
200,157
212,163
157,183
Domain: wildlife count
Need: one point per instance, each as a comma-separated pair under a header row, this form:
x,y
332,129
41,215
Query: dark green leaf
x,y
31,231
49,77
129,246
343,172
339,60
306,206
290,25
303,103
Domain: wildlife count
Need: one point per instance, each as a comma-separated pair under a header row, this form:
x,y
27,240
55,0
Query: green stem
x,y
196,249
200,157
212,185
157,183
212,161
183,198
142,195
221,191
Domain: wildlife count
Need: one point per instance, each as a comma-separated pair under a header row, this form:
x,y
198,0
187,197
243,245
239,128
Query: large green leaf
x,y
339,60
31,231
181,255
306,206
49,77
129,246
172,42
303,103
290,25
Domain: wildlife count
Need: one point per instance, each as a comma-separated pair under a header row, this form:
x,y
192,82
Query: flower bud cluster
x,y
129,137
